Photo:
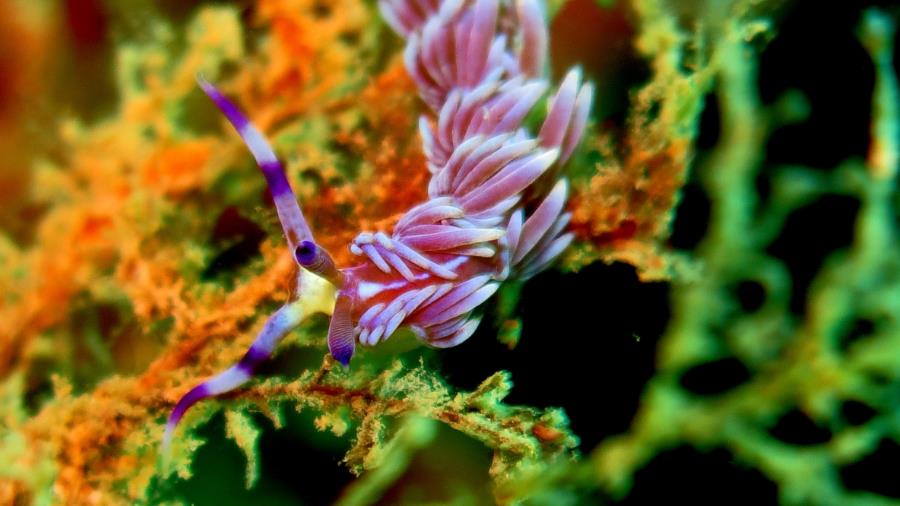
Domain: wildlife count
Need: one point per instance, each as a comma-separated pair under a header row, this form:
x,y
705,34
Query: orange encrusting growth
x,y
178,168
623,212
626,209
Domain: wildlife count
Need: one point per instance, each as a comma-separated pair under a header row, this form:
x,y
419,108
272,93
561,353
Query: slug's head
x,y
307,253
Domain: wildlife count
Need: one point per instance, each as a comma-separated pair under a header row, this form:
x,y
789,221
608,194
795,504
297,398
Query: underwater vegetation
x,y
720,323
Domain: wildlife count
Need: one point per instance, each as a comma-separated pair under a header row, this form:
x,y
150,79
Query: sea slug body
x,y
496,198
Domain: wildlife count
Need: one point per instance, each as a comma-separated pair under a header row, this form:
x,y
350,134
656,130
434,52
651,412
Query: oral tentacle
x,y
276,328
341,339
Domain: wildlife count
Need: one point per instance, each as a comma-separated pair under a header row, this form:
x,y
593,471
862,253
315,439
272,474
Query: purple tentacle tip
x,y
343,353
228,109
306,253
195,395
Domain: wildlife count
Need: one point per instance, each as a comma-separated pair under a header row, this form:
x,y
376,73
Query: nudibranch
x,y
496,196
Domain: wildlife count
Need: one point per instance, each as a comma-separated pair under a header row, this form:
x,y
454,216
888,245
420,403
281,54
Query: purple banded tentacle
x,y
294,224
275,329
300,239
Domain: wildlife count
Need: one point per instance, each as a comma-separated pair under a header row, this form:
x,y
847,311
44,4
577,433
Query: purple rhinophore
x,y
277,183
292,220
496,207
